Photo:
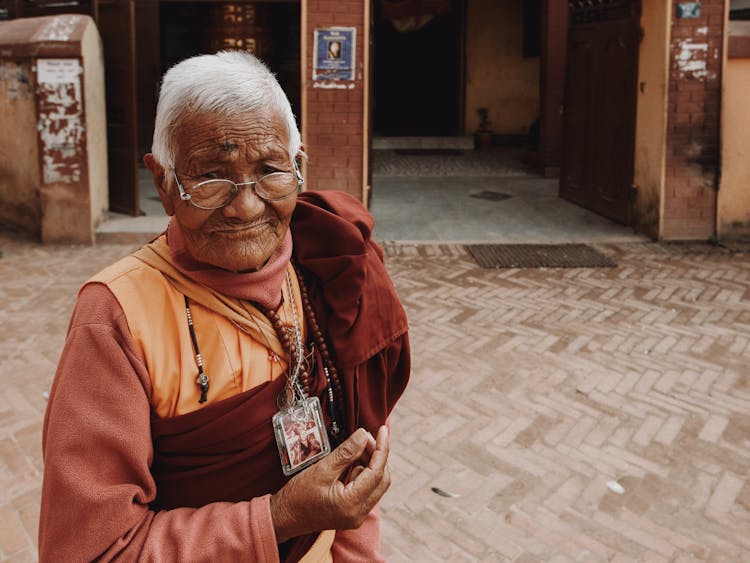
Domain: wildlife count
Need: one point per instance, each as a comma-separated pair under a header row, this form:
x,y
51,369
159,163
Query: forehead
x,y
218,136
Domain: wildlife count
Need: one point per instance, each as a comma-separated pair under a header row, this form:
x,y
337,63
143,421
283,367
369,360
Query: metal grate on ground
x,y
429,152
538,256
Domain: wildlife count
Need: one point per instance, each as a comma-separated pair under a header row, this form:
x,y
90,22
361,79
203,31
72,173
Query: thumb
x,y
349,451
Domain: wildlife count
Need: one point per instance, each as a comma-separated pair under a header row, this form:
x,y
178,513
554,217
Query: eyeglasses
x,y
214,194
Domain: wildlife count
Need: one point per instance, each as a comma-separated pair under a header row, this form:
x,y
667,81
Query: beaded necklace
x,y
334,393
298,372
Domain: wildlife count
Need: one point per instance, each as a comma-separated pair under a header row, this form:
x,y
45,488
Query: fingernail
x,y
361,435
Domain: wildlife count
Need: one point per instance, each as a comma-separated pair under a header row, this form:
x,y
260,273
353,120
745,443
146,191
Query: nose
x,y
246,205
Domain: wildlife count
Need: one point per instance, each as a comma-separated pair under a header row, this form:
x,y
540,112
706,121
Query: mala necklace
x,y
335,394
299,379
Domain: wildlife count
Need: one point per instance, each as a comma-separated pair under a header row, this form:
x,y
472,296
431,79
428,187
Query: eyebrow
x,y
228,147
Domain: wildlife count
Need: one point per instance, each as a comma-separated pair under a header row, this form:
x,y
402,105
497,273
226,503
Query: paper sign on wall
x,y
333,53
58,71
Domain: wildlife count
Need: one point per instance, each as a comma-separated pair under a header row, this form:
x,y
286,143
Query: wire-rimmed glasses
x,y
214,194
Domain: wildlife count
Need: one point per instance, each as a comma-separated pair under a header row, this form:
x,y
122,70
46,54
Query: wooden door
x,y
600,107
117,28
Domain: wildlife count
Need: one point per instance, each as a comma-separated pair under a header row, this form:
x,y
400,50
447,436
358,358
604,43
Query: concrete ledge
x,y
125,238
465,142
119,228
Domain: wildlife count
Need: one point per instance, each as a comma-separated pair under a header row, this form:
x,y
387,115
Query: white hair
x,y
227,82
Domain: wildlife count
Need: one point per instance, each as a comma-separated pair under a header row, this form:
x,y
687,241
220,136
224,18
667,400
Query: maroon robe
x,y
226,451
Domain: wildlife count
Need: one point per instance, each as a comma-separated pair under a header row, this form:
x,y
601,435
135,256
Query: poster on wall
x,y
333,53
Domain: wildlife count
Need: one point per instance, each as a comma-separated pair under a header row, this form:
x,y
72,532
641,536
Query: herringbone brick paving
x,y
531,390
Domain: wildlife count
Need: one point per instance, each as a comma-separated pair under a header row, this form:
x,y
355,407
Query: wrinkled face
x,y
243,235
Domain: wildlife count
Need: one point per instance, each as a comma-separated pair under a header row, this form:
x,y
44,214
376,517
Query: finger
x,y
368,488
379,456
365,458
348,452
374,479
356,472
371,443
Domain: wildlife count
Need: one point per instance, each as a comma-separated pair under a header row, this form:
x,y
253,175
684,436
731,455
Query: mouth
x,y
242,231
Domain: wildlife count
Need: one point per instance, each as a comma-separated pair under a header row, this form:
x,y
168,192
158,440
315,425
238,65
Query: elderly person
x,y
197,369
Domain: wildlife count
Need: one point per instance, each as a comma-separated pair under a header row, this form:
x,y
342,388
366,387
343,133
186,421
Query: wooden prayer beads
x,y
335,392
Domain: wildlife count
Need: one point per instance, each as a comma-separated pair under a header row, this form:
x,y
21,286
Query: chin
x,y
238,257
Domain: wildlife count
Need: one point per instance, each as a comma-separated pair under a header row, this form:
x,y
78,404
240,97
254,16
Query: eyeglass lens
x,y
213,194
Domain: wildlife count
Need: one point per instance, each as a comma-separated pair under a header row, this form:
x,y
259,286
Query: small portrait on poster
x,y
333,53
334,49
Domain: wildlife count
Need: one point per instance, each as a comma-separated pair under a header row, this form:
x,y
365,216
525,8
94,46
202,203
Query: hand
x,y
316,499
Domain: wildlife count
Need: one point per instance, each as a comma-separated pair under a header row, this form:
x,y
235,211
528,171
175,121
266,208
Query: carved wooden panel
x,y
590,11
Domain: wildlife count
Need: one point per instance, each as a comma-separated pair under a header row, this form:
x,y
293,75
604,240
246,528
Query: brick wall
x,y
333,121
693,123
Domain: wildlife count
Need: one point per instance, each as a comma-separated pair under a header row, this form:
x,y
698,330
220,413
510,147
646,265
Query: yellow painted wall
x,y
96,124
651,120
733,206
497,75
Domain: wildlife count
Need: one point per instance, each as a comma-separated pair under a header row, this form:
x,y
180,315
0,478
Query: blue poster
x,y
333,56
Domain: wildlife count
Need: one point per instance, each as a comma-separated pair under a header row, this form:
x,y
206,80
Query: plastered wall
x,y
96,126
52,111
651,120
497,75
19,156
733,211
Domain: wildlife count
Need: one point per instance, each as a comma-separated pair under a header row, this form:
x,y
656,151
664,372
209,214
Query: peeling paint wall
x,y
17,80
61,127
45,169
691,59
692,167
60,28
19,168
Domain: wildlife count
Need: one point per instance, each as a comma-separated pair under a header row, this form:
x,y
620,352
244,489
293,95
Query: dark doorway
x,y
418,70
269,30
600,107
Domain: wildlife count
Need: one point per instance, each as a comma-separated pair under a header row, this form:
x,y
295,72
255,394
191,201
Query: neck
x,y
262,286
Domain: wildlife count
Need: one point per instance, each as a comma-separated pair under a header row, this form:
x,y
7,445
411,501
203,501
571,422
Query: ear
x,y
301,156
161,182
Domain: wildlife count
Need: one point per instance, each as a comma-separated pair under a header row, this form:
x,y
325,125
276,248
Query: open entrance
x,y
510,85
269,30
418,72
173,31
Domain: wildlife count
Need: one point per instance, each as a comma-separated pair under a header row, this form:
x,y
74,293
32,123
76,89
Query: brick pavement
x,y
531,391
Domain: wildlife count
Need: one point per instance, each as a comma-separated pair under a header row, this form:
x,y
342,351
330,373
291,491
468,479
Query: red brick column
x,y
333,118
693,123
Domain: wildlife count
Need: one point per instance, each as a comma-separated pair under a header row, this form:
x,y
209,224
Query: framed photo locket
x,y
301,435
